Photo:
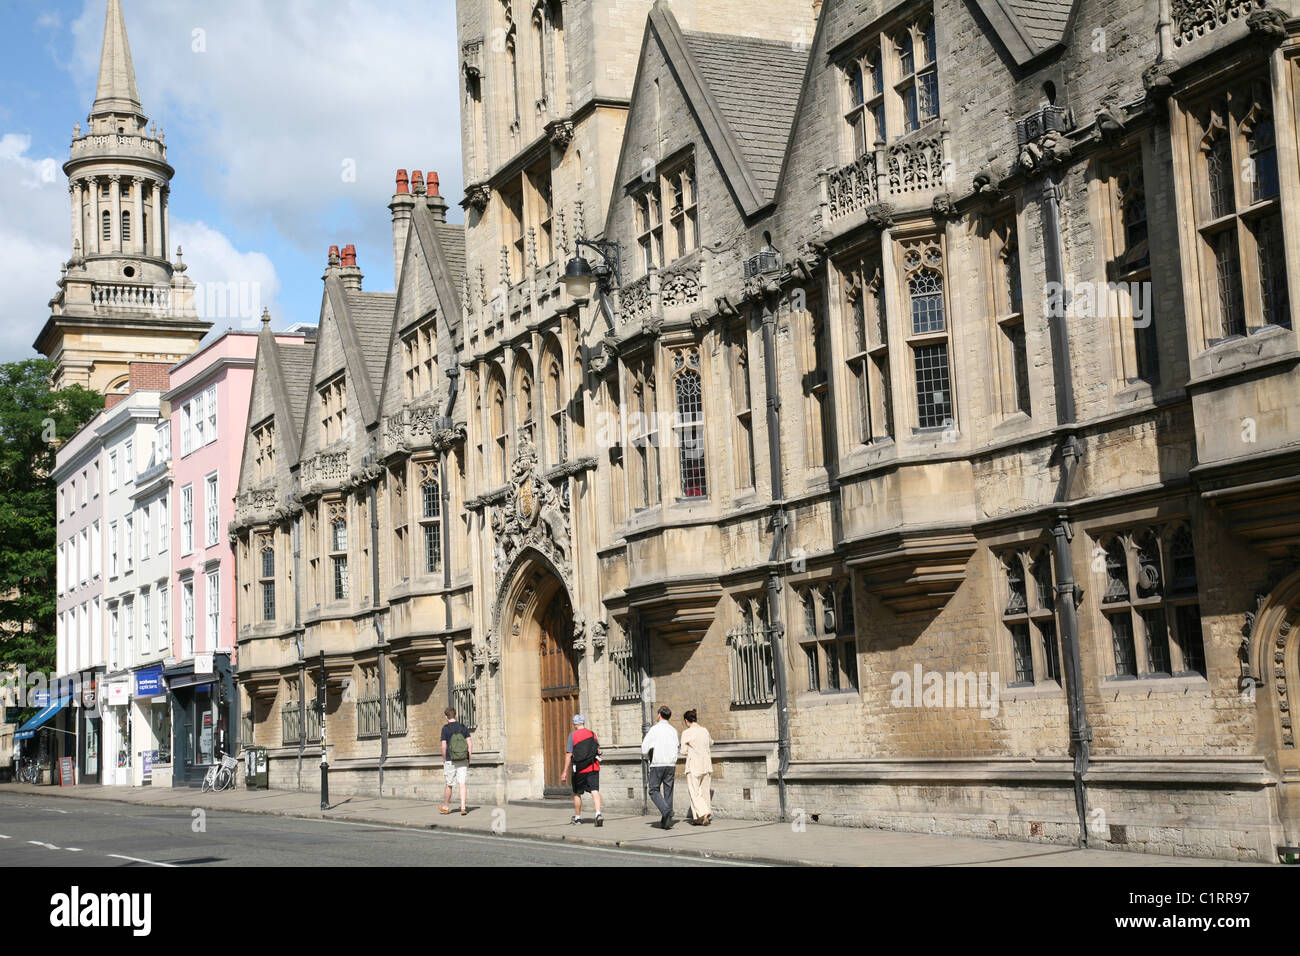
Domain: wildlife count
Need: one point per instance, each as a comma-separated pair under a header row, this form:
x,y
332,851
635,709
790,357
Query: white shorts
x,y
456,771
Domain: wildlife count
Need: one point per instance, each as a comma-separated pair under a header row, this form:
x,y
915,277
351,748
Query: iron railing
x,y
397,714
290,724
367,717
627,676
753,679
313,724
465,701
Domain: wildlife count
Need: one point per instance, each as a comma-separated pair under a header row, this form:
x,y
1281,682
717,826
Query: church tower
x,y
120,298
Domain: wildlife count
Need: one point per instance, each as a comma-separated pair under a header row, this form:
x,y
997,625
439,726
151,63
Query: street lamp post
x,y
324,761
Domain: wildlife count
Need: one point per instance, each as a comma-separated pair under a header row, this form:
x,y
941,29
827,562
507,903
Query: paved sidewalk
x,y
753,840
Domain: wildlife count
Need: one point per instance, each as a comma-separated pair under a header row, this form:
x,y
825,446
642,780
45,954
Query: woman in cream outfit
x,y
696,744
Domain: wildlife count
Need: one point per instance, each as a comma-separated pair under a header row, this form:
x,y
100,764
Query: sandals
x,y
464,812
444,810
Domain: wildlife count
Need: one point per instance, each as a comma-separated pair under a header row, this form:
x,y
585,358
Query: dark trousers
x,y
662,778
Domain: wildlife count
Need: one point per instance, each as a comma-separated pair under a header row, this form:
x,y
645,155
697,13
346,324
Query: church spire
x,y
117,92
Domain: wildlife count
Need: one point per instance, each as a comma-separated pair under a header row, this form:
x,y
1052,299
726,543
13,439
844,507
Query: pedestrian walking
x,y
457,749
660,745
582,756
697,747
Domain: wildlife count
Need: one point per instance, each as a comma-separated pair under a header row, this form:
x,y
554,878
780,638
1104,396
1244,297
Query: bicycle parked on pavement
x,y
29,771
221,775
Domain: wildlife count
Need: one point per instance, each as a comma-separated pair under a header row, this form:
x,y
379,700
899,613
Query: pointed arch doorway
x,y
560,692
542,686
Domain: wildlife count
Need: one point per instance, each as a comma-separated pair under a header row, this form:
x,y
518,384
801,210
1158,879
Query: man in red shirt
x,y
582,754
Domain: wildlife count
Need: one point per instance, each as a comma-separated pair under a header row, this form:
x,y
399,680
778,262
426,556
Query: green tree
x,y
34,422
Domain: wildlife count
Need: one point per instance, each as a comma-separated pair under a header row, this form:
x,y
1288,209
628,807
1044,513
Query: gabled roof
x,y
744,93
1029,28
442,248
295,372
287,371
363,320
756,83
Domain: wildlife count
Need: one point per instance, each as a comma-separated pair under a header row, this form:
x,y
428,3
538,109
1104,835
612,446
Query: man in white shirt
x,y
660,745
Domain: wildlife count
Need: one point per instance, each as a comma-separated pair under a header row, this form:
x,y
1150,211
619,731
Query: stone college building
x,y
908,387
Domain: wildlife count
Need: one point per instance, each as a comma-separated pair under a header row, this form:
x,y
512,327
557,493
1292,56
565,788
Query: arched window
x,y
514,77
339,557
499,429
431,522
557,410
525,420
106,220
923,262
267,581
690,423
926,291
126,225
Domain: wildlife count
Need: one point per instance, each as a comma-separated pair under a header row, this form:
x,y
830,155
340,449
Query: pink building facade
x,y
209,399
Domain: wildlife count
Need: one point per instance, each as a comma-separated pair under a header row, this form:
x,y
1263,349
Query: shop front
x,y
117,731
89,733
153,728
201,692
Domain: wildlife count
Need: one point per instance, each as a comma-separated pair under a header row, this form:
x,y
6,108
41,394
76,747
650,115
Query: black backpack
x,y
584,752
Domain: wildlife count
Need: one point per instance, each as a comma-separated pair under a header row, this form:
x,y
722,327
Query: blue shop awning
x,y
28,730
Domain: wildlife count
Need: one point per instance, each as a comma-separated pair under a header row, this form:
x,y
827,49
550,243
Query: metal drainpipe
x,y
1062,531
382,661
774,582
641,635
297,625
453,375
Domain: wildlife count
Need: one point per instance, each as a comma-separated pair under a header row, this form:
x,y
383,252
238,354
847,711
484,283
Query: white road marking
x,y
48,846
52,810
133,859
3,837
73,849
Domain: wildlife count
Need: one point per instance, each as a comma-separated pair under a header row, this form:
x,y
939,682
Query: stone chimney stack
x,y
401,207
349,275
437,205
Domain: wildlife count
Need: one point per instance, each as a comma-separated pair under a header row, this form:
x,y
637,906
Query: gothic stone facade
x,y
931,431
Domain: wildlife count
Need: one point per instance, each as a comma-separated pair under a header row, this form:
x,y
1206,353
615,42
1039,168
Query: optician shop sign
x,y
149,682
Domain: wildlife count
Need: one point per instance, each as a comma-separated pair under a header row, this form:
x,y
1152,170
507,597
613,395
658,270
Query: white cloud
x,y
231,287
34,242
280,100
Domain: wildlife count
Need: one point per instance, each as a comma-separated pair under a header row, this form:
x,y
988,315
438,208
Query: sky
x,y
285,120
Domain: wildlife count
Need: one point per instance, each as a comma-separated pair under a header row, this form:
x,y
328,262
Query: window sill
x,y
1128,686
830,698
1041,690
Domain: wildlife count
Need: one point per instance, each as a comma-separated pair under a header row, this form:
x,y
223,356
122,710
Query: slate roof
x,y
1029,28
371,314
1044,20
295,367
451,238
756,84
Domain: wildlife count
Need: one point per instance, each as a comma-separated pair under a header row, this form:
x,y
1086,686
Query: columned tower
x,y
120,298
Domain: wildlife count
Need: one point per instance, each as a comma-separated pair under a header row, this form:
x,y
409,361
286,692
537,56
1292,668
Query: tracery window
x,y
1237,207
1150,602
689,426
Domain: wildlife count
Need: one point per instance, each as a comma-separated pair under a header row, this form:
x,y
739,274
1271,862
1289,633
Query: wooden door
x,y
559,667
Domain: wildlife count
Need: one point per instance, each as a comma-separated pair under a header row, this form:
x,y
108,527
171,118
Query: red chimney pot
x,y
349,255
334,255
403,184
433,184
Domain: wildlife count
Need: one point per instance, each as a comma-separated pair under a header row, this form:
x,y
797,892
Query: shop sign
x,y
149,682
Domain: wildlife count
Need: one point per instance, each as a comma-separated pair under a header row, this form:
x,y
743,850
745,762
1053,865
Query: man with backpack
x,y
456,752
582,755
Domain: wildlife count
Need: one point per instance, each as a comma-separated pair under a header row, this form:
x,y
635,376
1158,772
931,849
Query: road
x,y
60,832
